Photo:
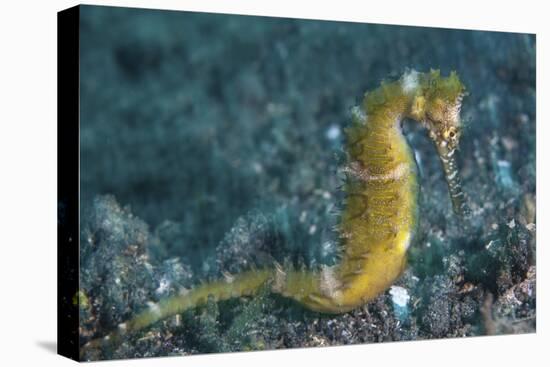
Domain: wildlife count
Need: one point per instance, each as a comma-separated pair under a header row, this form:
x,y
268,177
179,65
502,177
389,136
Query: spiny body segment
x,y
379,218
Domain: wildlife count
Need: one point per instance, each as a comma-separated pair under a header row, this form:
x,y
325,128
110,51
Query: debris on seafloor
x,y
400,299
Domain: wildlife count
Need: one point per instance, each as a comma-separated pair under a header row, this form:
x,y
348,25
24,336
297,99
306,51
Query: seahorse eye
x,y
450,134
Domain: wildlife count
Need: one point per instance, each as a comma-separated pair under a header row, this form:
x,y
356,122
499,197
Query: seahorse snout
x,y
447,155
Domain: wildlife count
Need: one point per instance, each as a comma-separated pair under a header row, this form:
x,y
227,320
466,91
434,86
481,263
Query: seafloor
x,y
211,143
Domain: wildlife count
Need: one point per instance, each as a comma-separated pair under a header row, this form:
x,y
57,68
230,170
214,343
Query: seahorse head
x,y
437,103
443,103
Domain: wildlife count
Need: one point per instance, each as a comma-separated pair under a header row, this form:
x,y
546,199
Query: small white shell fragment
x,y
400,296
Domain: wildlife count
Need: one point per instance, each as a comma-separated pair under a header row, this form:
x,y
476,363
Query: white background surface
x,y
28,183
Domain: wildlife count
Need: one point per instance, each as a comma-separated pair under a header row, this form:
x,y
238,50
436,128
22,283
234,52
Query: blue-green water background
x,y
223,135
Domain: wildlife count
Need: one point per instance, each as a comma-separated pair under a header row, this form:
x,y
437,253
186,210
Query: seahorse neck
x,y
387,106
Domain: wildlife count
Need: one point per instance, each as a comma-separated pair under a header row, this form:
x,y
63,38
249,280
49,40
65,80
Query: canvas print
x,y
259,183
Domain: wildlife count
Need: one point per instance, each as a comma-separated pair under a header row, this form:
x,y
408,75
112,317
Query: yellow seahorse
x,y
378,221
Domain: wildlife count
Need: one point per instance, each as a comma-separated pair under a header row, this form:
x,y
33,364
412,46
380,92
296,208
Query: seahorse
x,y
380,213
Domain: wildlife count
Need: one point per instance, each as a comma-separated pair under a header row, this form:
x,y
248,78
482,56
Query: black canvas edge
x,y
68,186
